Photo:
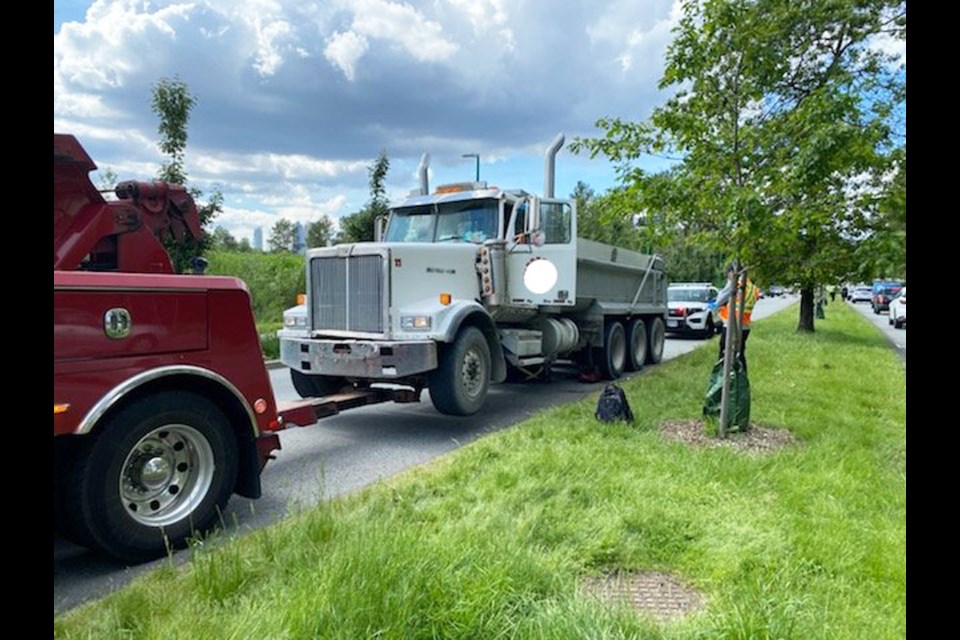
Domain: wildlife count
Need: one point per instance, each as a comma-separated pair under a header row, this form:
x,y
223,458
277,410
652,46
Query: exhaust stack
x,y
422,174
549,163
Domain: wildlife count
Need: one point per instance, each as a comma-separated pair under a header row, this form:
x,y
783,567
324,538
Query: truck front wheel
x,y
458,387
161,469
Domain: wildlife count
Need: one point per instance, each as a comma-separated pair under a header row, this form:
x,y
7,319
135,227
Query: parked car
x,y
882,294
861,294
689,311
898,309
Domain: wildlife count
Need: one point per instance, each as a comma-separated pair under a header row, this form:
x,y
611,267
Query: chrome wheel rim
x,y
166,475
472,373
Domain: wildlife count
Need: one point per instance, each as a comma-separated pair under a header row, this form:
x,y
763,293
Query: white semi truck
x,y
466,283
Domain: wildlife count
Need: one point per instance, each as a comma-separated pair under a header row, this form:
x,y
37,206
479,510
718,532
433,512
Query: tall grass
x,y
491,540
274,279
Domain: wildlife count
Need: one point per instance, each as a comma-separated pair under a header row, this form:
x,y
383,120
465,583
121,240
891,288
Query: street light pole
x,y
477,156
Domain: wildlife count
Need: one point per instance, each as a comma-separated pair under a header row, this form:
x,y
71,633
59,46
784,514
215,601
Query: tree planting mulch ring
x,y
757,439
658,595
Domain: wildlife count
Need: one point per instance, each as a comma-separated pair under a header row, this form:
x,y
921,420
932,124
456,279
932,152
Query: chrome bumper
x,y
359,358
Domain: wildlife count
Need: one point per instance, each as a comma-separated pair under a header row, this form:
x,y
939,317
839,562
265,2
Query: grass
x,y
269,342
492,540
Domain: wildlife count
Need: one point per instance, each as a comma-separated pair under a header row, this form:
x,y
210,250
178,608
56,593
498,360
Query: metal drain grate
x,y
659,595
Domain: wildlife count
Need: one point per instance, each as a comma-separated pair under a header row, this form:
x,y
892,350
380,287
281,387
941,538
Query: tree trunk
x,y
806,309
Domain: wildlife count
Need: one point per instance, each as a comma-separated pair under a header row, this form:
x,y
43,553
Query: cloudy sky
x,y
295,98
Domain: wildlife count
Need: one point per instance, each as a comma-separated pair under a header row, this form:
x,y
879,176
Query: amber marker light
x,y
260,406
445,298
60,408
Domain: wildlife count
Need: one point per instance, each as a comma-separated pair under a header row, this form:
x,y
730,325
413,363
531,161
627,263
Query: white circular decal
x,y
540,276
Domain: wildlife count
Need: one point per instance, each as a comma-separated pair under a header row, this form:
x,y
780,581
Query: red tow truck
x,y
162,404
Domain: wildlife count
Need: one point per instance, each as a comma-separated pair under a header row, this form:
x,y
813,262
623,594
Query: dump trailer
x,y
163,406
466,284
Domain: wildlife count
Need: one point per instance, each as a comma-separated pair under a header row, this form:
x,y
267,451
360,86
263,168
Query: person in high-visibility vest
x,y
722,302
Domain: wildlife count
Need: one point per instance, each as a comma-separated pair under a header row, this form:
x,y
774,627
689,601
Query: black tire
x,y
314,386
708,329
459,385
636,344
655,340
890,321
157,472
613,357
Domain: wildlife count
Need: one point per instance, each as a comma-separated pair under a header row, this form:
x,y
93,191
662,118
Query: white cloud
x,y
394,24
634,32
344,49
96,54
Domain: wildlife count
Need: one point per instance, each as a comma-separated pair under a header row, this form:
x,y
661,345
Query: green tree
x,y
223,240
883,252
283,236
172,103
107,179
781,108
359,227
320,232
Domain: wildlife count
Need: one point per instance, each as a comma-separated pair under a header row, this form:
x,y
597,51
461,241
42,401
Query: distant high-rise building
x,y
258,238
300,243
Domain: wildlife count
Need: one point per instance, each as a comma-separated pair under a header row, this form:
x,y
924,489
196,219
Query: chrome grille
x,y
347,293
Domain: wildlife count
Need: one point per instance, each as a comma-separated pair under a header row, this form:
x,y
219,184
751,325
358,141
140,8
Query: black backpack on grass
x,y
613,405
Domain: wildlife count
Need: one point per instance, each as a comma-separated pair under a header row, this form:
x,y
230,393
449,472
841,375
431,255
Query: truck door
x,y
542,257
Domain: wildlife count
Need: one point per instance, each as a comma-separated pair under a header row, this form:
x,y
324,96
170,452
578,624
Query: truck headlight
x,y
416,323
294,321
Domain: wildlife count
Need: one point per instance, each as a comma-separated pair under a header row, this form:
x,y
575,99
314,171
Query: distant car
x,y
882,294
898,309
689,309
775,291
861,294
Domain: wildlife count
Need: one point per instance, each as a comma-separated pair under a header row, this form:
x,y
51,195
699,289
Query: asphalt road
x,y
898,337
346,452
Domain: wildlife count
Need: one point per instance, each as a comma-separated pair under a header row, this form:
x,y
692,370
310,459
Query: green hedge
x,y
274,279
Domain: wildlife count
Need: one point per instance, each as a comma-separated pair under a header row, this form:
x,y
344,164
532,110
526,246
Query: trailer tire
x,y
656,335
314,386
636,344
613,356
458,387
161,470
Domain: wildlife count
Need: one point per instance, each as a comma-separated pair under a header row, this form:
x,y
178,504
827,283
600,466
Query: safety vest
x,y
752,295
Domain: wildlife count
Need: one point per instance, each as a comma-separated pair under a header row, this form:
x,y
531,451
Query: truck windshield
x,y
465,221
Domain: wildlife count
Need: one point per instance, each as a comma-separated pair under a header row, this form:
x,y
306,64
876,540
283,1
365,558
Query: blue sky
x,y
295,99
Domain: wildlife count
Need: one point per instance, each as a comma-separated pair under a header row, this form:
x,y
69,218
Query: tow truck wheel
x,y
458,387
161,470
656,336
637,344
313,386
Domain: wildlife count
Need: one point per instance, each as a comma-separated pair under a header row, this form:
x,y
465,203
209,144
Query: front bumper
x,y
683,324
375,360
